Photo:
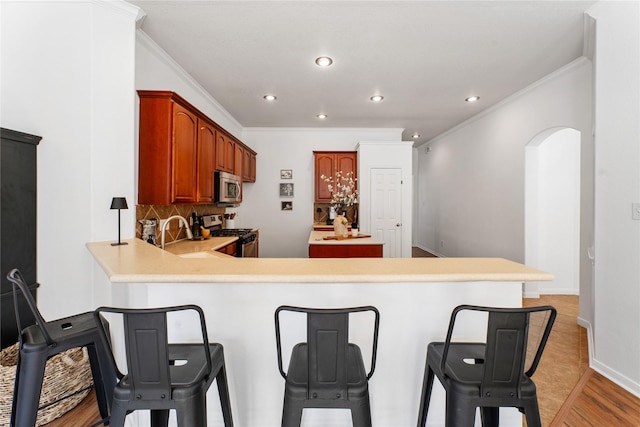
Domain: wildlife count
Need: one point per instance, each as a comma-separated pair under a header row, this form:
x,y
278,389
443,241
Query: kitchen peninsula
x,y
240,295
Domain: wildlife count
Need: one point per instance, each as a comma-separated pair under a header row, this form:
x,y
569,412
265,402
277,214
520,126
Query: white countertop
x,y
317,237
140,262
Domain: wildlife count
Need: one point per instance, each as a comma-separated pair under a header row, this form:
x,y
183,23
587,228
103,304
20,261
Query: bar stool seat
x,y
43,340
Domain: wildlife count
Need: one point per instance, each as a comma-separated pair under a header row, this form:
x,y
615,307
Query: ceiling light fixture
x,y
416,135
270,97
324,61
377,98
322,116
472,98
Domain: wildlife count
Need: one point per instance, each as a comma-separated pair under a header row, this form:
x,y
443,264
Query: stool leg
x,y
361,413
292,412
490,416
223,391
427,386
100,381
160,418
27,388
532,413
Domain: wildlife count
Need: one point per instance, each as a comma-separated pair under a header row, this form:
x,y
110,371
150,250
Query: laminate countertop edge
x,y
140,262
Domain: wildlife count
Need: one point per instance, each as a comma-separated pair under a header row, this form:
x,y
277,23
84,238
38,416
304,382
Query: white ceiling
x,y
424,57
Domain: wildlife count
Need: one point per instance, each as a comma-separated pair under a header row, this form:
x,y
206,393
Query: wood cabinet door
x,y
185,134
221,145
229,152
238,159
206,161
347,162
324,165
248,167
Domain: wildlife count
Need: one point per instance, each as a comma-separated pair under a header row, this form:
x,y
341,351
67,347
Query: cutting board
x,y
333,237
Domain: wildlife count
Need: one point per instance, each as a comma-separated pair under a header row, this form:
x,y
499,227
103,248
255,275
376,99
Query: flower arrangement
x,y
343,190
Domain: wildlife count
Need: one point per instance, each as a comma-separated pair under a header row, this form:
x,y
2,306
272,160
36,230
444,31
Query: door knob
x,y
398,225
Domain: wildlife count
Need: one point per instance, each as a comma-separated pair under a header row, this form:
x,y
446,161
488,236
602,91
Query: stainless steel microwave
x,y
227,188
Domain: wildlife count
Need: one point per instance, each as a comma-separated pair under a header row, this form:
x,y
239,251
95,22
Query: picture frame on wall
x,y
286,174
286,189
286,206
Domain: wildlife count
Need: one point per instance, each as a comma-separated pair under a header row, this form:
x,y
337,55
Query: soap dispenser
x,y
195,225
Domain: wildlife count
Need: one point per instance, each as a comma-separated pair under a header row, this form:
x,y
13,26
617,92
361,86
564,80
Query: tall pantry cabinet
x,y
18,179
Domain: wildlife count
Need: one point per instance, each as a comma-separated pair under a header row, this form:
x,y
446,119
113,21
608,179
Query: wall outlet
x,y
162,221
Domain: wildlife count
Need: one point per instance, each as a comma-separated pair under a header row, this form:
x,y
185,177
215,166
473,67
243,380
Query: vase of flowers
x,y
343,191
344,194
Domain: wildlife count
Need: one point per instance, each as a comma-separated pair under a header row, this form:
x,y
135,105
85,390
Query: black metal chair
x,y
491,374
43,340
162,375
327,371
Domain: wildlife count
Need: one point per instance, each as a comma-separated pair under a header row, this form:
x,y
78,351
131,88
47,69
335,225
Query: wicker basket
x,y
67,380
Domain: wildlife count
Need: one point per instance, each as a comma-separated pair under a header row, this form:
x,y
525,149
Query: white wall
x,y
552,210
156,70
471,183
284,234
617,242
67,75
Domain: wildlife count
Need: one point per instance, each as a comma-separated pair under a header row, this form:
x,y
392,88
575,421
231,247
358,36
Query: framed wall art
x,y
286,174
286,190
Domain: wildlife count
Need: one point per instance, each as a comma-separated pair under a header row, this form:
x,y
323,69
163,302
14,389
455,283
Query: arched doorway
x,y
552,210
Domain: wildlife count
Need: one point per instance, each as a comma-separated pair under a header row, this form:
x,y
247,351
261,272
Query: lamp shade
x,y
119,203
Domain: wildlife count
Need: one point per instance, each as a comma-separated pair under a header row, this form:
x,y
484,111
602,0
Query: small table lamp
x,y
119,203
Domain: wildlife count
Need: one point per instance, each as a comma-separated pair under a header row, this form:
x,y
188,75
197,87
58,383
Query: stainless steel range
x,y
247,237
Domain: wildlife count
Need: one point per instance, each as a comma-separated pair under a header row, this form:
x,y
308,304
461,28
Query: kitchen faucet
x,y
164,227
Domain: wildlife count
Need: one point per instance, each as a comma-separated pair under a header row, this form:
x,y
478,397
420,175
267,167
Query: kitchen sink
x,y
197,255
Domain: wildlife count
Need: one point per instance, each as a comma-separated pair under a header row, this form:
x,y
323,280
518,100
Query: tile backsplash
x,y
321,213
174,231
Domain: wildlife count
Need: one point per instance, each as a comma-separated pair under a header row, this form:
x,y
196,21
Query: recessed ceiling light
x,y
322,116
324,61
377,98
472,98
270,97
416,135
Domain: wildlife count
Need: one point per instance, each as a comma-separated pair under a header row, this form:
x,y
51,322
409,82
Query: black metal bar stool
x,y
43,340
161,375
327,371
491,374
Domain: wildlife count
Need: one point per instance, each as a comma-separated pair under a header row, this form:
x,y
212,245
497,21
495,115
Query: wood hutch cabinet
x,y
180,149
327,163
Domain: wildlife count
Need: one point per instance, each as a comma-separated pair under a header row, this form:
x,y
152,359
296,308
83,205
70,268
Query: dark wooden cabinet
x,y
225,150
18,178
180,148
185,149
327,163
230,249
206,161
249,166
345,251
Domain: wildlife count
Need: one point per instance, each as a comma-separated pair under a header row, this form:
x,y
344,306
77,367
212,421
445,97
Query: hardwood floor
x,y
570,394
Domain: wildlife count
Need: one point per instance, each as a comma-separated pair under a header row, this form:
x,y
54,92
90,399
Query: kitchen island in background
x,y
240,295
325,244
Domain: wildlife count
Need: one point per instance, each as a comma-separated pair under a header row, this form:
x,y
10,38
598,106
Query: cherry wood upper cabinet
x,y
327,163
179,150
249,165
225,148
206,161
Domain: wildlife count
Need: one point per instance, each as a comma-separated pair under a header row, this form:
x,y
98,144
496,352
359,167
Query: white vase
x,y
339,226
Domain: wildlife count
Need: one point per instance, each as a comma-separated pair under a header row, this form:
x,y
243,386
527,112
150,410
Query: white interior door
x,y
386,210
